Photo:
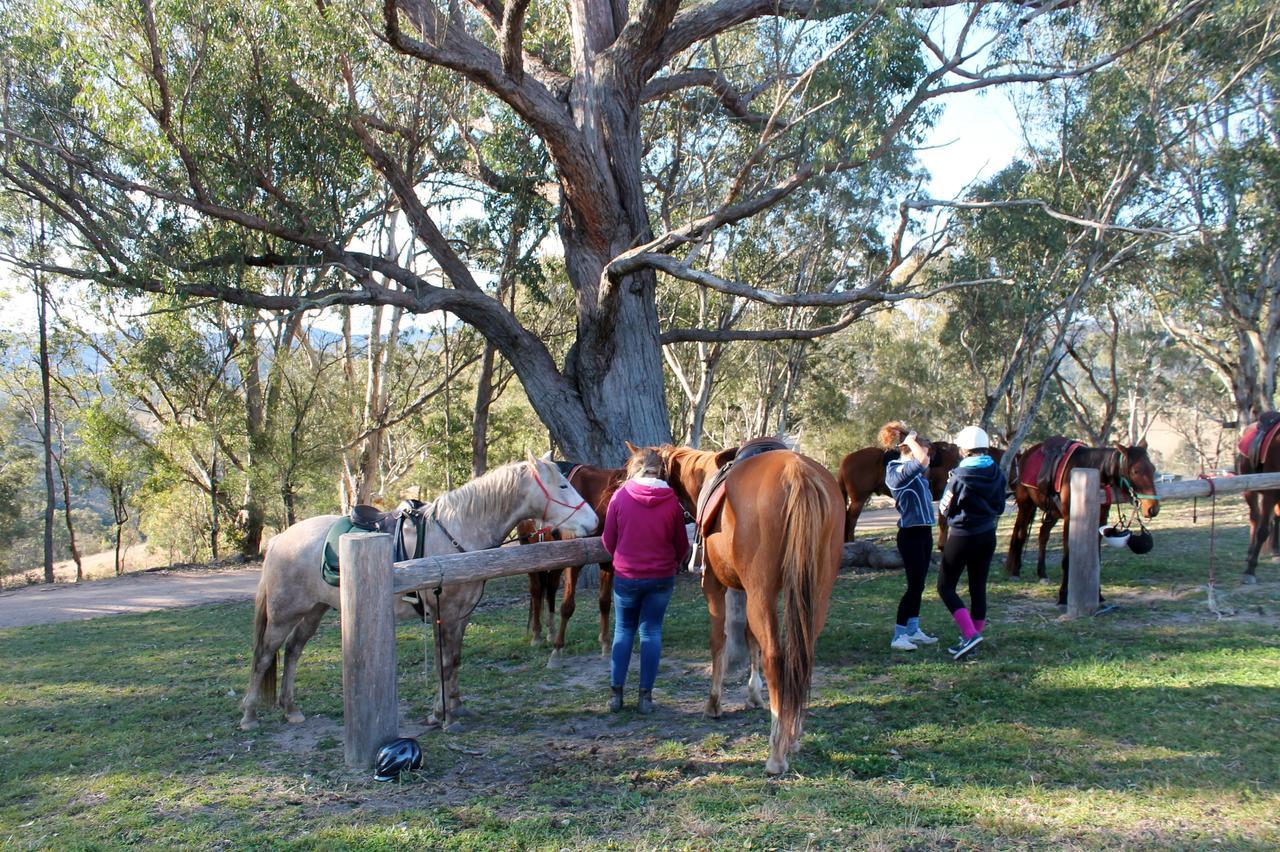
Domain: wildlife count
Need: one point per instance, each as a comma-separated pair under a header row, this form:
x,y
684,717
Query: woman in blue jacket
x,y
972,503
904,474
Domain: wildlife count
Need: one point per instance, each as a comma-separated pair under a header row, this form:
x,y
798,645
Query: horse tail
x,y
267,693
807,515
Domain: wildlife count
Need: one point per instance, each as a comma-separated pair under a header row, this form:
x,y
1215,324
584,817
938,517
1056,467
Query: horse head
x,y
1134,465
562,507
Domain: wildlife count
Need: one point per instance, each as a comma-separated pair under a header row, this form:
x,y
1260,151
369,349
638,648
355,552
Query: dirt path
x,y
141,592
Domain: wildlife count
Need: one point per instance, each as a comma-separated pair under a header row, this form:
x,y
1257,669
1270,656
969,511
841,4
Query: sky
x,y
976,135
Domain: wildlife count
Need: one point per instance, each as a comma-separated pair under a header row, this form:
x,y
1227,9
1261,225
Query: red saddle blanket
x,y
1055,452
1257,439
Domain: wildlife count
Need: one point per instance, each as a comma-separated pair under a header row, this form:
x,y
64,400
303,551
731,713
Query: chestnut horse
x,y
1127,470
596,485
779,533
293,596
862,475
1264,510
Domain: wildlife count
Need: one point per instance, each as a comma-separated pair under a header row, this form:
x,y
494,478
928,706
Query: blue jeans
x,y
638,604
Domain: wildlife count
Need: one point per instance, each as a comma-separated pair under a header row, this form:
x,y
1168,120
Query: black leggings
x,y
916,546
971,552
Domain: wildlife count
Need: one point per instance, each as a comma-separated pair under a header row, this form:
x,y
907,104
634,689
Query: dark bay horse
x,y
1264,509
779,533
862,475
1128,470
293,596
596,485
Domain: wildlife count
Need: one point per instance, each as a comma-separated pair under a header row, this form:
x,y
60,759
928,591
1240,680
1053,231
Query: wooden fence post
x,y
370,706
735,629
1085,565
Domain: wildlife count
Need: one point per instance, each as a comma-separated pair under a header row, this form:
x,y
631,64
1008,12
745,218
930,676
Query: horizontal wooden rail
x,y
454,568
1187,489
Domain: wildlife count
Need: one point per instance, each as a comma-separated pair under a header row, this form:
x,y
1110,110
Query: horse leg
x,y
763,617
1046,530
1066,558
1260,509
567,605
1018,539
606,600
297,640
756,695
262,675
535,608
714,590
448,708
1274,537
851,516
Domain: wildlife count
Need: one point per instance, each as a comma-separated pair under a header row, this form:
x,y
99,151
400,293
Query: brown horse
x,y
862,475
1264,510
778,533
596,485
1128,470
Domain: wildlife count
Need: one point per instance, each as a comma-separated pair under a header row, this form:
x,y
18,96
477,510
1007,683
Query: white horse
x,y
293,596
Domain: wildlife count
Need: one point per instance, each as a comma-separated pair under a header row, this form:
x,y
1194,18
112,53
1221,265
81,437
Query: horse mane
x,y
488,494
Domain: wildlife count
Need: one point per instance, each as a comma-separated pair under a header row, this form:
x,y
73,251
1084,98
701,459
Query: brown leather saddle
x,y
711,500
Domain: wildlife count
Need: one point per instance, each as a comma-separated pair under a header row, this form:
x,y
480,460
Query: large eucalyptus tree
x,y
185,142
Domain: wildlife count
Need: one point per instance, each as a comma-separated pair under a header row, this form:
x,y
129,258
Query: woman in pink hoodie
x,y
644,530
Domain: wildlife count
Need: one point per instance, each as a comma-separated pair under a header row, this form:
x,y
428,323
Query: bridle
x,y
546,527
1121,478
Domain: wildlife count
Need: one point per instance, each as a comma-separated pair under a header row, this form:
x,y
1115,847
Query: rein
x,y
546,506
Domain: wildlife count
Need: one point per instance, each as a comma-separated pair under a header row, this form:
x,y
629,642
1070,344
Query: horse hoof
x,y
555,662
1044,581
775,766
795,747
454,727
712,710
536,642
605,651
1015,578
1249,579
459,711
248,724
295,717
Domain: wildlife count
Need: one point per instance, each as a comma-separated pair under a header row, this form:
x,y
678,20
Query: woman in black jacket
x,y
972,503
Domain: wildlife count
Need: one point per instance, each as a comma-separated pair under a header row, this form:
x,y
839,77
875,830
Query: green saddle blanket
x,y
330,570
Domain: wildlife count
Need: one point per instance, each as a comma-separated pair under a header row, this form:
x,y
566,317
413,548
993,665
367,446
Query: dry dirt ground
x,y
138,592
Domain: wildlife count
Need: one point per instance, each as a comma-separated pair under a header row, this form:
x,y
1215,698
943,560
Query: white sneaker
x,y
902,643
922,638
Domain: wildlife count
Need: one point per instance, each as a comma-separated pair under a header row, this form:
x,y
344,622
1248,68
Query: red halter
x,y
533,469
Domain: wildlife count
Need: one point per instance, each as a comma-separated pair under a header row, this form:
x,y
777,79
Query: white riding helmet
x,y
972,438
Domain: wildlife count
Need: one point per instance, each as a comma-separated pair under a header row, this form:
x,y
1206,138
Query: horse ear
x,y
546,457
530,457
725,456
631,448
1143,442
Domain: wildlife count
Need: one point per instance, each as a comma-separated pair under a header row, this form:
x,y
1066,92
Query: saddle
x,y
372,519
1045,468
711,500
1257,439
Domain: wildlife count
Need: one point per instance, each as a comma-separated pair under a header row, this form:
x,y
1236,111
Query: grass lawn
x,y
1156,725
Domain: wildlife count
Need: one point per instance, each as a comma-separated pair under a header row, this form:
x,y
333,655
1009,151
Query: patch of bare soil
x,y
489,760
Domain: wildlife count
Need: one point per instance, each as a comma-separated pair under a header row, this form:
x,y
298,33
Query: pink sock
x,y
978,624
967,630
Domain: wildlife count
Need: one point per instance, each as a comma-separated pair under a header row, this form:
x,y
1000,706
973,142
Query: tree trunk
x,y
252,517
214,527
66,506
46,433
480,418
